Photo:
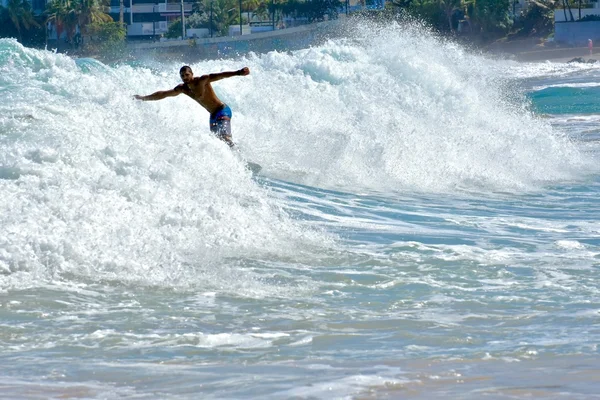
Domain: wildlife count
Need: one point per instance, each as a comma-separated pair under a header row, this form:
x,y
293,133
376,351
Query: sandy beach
x,y
557,54
531,50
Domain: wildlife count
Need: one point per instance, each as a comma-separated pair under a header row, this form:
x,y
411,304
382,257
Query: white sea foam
x,y
110,188
568,85
364,114
139,258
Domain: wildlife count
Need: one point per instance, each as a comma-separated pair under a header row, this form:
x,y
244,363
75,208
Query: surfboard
x,y
253,167
250,166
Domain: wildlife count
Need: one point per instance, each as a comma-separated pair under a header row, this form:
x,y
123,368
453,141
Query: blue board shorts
x,y
220,121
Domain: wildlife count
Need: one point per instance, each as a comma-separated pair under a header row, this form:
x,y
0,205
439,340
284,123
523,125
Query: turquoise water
x,y
567,100
424,226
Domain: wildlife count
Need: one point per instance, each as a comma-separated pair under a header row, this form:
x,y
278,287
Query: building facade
x,y
148,18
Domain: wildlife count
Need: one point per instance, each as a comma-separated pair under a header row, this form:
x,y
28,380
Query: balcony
x,y
147,28
143,8
162,8
172,8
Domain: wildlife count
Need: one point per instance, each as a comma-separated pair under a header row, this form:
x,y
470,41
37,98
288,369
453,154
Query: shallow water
x,y
424,226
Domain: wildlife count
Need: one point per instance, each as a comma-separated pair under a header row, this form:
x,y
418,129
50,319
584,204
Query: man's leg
x,y
222,128
227,139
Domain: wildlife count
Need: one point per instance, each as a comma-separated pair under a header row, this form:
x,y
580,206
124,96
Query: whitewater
x,y
425,225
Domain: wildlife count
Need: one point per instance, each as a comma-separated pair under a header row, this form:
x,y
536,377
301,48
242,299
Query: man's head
x,y
186,74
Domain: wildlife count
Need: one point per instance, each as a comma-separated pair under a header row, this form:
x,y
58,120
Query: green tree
x,y
539,16
278,8
91,12
262,10
492,16
314,10
63,14
567,5
250,5
224,14
448,7
200,7
67,15
430,12
196,20
20,15
106,39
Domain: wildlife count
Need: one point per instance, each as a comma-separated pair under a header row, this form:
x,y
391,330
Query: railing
x,y
171,8
141,29
147,28
161,26
143,8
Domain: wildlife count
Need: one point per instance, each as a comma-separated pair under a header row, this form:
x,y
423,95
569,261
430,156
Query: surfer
x,y
200,89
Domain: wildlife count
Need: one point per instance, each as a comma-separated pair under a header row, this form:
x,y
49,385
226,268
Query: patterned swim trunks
x,y
220,121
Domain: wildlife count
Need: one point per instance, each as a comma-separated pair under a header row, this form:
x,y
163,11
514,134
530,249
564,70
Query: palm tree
x,y
277,7
68,14
568,7
250,5
54,13
19,12
199,7
92,12
262,10
449,6
63,13
224,13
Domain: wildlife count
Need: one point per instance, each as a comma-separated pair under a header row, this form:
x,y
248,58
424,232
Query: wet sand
x,y
555,54
567,376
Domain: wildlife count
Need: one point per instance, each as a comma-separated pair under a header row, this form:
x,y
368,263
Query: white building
x,y
559,14
148,18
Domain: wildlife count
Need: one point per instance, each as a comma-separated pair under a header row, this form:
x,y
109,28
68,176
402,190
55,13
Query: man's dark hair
x,y
185,68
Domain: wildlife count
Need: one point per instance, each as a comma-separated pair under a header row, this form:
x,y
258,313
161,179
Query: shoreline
x,y
558,55
533,50
525,50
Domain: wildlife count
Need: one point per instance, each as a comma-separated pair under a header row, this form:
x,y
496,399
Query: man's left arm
x,y
228,74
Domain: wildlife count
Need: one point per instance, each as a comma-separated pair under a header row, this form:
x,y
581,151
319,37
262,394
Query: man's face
x,y
187,76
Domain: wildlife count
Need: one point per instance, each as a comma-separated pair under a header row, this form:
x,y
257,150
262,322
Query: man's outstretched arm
x,y
161,94
228,74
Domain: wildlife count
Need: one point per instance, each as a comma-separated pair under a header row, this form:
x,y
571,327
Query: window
x,y
146,17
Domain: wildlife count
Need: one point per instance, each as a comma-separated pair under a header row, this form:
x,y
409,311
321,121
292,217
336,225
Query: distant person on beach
x,y
200,89
590,46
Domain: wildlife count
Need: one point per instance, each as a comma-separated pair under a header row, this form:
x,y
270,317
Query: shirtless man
x,y
200,89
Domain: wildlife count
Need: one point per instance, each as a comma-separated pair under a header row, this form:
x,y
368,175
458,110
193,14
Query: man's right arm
x,y
228,74
161,94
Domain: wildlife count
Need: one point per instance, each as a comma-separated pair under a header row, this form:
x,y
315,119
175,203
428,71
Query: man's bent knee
x,y
227,139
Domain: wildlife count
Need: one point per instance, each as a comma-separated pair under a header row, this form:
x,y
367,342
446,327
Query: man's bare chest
x,y
196,92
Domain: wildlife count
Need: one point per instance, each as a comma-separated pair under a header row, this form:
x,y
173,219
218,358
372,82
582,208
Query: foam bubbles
x,y
100,186
396,111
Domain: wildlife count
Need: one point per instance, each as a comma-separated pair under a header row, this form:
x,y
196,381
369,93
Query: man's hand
x,y
244,71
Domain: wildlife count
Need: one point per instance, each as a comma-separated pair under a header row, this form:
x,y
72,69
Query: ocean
x,y
425,226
